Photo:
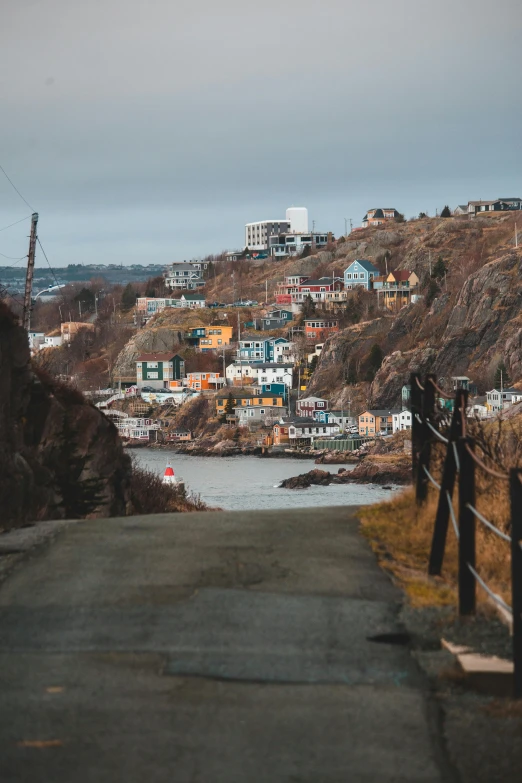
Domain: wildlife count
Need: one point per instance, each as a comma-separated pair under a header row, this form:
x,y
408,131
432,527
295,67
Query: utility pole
x,y
516,236
30,272
266,290
346,227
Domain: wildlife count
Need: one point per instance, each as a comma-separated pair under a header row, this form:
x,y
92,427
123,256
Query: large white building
x,y
257,235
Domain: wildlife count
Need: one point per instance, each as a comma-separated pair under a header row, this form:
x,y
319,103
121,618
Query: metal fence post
x,y
449,472
416,426
428,409
515,481
467,587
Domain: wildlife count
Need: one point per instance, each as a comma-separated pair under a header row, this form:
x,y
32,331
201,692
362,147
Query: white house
x,y
306,429
498,400
135,428
401,421
184,277
283,351
194,301
36,340
52,341
275,373
235,372
266,414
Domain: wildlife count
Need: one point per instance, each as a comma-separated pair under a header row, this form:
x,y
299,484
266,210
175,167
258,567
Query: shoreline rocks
x,y
367,472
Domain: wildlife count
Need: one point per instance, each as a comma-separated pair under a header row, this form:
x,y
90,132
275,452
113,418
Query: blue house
x,y
253,348
279,389
360,273
256,349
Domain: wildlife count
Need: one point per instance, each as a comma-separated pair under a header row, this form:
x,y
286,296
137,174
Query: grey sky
x,y
152,130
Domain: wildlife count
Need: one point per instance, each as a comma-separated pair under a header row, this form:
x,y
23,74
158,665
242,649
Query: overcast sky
x,y
151,130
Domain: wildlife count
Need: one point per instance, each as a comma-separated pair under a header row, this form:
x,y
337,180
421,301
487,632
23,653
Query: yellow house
x,y
215,337
244,398
398,288
375,422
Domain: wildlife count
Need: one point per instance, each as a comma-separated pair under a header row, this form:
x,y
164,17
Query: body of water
x,y
245,482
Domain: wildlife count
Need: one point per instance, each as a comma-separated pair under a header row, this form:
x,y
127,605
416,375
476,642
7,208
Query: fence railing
x,y
461,461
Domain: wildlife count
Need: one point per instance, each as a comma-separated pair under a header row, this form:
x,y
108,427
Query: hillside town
x,y
254,363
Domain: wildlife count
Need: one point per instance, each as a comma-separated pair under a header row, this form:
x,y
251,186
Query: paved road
x,y
209,648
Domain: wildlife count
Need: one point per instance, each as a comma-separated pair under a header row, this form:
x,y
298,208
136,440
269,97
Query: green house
x,y
158,370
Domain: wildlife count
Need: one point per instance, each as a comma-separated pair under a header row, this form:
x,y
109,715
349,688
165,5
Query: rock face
x,y
484,327
158,340
466,333
61,457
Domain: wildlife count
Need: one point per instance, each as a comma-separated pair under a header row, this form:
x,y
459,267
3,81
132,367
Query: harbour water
x,y
239,483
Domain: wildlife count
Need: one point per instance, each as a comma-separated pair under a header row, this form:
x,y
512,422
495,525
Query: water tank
x,y
298,219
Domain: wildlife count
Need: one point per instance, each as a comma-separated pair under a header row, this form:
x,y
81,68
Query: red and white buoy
x,y
168,476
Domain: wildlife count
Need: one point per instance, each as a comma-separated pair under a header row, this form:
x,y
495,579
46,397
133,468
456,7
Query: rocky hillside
x,y
60,457
473,322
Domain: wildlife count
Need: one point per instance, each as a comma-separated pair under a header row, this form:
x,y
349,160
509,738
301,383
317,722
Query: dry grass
x,y
400,533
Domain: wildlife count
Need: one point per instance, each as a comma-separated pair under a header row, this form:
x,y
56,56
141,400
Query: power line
x,y
15,188
52,270
15,223
12,258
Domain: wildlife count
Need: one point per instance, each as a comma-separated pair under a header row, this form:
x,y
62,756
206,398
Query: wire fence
x,y
461,463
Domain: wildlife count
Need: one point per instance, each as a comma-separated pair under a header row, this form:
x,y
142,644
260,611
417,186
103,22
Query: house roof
x,y
321,281
478,203
193,297
313,399
380,279
274,365
157,357
298,420
401,275
252,336
510,199
365,265
184,266
382,412
237,393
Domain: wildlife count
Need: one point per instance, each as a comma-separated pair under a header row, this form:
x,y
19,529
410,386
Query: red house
x,y
288,288
317,289
320,328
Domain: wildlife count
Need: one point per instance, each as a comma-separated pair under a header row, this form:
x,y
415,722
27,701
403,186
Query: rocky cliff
x,y
473,322
61,457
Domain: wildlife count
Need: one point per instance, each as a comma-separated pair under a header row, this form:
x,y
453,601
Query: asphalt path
x,y
226,647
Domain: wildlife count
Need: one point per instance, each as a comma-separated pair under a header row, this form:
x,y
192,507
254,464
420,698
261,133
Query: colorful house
x,y
320,328
374,422
307,406
158,369
378,216
245,398
318,289
280,433
194,301
209,338
252,348
203,381
398,288
359,274
258,414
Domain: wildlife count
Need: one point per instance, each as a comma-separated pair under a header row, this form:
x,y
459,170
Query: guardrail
x,y
461,461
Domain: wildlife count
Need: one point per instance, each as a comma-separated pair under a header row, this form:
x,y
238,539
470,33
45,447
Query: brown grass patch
x,y
400,533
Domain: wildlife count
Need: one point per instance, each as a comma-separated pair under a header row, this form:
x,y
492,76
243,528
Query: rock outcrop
x,y
61,457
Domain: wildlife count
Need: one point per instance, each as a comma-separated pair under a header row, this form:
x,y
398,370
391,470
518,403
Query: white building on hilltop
x,y
257,234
